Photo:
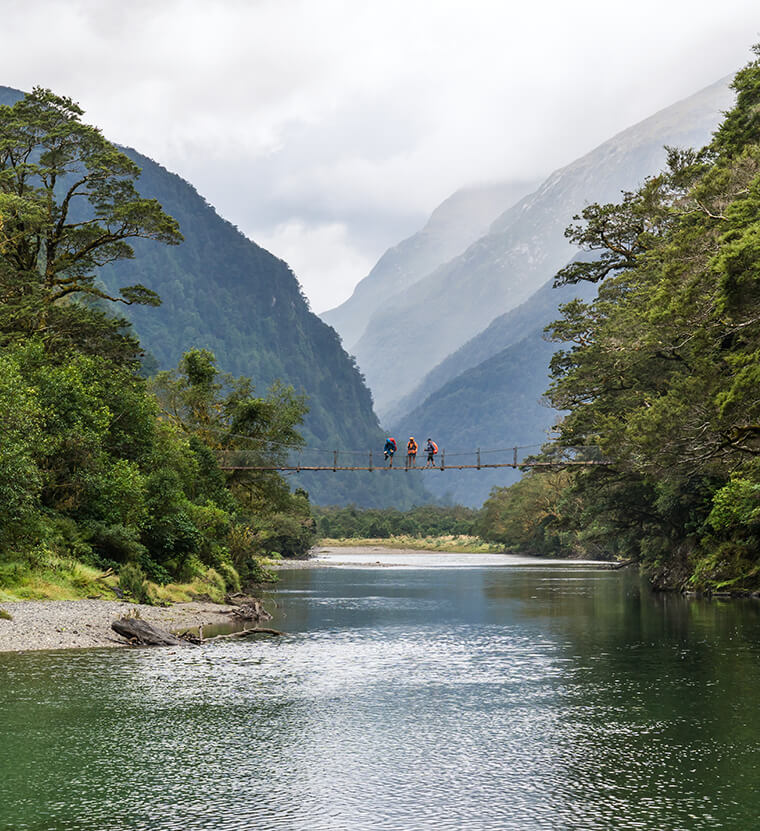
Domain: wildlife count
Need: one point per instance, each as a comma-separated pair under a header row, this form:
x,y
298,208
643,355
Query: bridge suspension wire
x,y
515,457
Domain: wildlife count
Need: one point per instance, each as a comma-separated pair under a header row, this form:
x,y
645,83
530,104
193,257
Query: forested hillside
x,y
661,373
99,468
222,292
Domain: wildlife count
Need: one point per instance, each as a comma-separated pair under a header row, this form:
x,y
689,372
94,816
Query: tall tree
x,y
68,204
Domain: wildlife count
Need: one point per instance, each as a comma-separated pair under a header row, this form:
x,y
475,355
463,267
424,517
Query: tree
x,y
222,415
68,205
661,370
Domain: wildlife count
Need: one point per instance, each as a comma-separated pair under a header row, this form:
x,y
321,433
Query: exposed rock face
x,y
456,223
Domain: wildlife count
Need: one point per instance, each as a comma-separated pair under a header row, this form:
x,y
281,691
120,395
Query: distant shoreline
x,y
374,555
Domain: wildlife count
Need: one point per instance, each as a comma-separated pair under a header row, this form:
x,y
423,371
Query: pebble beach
x,y
76,624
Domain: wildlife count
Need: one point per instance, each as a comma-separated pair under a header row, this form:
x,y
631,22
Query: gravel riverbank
x,y
71,624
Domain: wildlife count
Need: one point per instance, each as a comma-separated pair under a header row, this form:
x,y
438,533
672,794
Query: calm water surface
x,y
527,697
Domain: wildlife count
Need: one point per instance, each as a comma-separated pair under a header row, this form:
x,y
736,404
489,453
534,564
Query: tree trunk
x,y
138,631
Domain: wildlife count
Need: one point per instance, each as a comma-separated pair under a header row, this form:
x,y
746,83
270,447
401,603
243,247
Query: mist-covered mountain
x,y
507,329
493,406
223,292
454,224
491,397
419,327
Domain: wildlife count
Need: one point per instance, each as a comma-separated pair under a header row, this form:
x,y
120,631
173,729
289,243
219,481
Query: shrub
x,y
230,576
132,582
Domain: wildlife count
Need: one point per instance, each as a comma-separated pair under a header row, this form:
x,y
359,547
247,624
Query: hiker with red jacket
x,y
431,448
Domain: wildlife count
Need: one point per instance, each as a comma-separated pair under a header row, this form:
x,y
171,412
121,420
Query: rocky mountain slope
x,y
460,220
419,327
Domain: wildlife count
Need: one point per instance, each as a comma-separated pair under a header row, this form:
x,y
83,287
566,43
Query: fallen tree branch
x,y
623,564
243,633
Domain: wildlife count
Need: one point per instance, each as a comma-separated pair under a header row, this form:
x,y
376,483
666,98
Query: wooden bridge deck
x,y
440,468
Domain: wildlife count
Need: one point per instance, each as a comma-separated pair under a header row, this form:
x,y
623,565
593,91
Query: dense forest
x,y
383,523
100,467
661,372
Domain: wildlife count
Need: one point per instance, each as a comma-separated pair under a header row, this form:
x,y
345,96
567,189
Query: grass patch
x,y
51,578
210,585
5,615
453,543
60,578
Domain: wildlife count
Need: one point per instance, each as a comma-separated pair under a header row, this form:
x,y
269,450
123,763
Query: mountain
x,y
525,246
507,329
494,406
454,224
489,394
223,292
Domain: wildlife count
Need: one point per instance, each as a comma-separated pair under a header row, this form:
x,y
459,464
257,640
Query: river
x,y
451,693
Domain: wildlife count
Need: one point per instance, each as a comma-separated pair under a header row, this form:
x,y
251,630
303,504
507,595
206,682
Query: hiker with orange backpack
x,y
411,452
431,448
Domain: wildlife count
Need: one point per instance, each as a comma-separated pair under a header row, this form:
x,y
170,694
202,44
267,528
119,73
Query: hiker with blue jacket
x,y
389,450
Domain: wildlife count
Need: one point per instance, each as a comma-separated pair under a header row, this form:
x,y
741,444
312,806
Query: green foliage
x,y
132,582
527,517
68,205
381,523
96,465
660,371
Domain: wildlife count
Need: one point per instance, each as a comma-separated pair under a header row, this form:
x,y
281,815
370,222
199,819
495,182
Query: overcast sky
x,y
327,130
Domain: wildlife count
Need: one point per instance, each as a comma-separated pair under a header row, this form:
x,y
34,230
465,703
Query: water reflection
x,y
533,698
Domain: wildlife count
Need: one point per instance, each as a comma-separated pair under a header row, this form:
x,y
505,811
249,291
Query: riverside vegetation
x,y
426,527
662,372
101,470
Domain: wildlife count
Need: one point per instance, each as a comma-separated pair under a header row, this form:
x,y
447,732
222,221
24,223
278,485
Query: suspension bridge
x,y
516,457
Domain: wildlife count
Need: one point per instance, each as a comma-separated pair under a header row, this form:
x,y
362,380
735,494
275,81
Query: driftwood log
x,y
244,633
138,631
621,564
252,610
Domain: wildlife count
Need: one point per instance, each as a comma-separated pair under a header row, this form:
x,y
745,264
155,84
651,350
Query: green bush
x,y
132,582
230,576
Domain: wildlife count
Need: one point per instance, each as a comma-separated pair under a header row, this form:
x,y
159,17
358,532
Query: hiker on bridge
x,y
431,448
389,450
411,452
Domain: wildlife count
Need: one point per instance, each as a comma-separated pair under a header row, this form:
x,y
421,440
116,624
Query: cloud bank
x,y
328,131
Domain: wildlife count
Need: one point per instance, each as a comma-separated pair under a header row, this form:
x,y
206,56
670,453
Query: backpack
x,y
434,446
392,442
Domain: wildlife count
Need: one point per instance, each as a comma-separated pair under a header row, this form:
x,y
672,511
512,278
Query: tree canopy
x,y
662,369
68,205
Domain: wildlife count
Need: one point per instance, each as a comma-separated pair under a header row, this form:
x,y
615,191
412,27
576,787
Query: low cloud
x,y
297,118
322,257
